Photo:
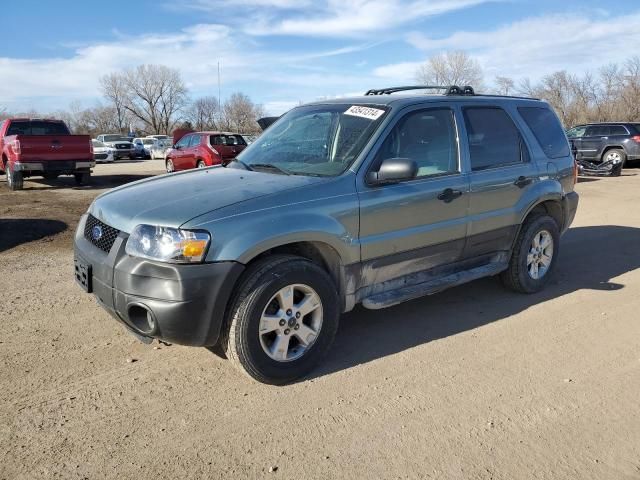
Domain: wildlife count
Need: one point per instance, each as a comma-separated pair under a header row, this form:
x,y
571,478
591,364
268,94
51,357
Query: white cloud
x,y
538,46
349,18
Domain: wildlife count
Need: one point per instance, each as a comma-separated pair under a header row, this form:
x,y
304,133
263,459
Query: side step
x,y
411,292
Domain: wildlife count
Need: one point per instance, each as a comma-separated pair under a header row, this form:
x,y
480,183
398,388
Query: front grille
x,y
105,234
122,146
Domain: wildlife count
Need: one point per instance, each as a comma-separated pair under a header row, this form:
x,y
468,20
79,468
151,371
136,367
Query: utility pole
x,y
219,99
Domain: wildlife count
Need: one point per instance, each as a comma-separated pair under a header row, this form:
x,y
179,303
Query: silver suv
x,y
374,200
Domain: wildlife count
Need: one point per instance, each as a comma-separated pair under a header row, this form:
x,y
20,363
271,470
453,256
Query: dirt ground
x,y
475,382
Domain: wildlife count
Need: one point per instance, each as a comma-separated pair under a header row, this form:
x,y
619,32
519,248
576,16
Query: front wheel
x,y
169,165
283,319
534,256
618,158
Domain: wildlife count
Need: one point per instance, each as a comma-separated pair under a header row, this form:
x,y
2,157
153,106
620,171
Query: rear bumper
x,y
53,165
569,209
183,304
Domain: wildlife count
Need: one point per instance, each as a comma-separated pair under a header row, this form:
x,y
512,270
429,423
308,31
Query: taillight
x,y
636,138
91,147
16,147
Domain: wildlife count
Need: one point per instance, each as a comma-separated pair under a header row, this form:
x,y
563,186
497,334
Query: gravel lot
x,y
475,382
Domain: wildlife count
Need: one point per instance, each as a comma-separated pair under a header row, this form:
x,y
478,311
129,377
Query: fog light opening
x,y
142,318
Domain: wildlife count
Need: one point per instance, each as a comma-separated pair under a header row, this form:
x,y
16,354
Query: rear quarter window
x,y
547,129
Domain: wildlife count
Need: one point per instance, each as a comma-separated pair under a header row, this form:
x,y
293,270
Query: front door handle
x,y
522,182
448,195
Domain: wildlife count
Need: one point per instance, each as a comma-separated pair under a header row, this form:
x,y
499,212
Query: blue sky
x,y
282,52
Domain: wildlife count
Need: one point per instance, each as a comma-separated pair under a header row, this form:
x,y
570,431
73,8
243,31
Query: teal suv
x,y
371,200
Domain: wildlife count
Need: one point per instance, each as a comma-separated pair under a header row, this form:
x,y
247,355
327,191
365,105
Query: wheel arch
x,y
612,147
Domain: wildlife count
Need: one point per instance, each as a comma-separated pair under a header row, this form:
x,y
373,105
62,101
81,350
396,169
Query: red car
x,y
204,149
37,147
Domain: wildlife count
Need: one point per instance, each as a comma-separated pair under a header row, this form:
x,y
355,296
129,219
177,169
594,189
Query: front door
x,y
501,174
419,224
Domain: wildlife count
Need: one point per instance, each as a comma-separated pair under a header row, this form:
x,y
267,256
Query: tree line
x,y
153,99
611,94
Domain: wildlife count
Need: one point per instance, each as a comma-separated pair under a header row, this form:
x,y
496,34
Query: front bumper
x,y
182,304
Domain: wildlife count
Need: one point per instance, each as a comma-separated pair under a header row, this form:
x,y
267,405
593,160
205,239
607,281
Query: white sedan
x,y
102,152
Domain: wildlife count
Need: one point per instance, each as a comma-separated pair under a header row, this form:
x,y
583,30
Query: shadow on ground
x,y
590,258
14,232
97,182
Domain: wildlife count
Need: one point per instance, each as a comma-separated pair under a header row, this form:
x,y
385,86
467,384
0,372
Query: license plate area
x,y
83,275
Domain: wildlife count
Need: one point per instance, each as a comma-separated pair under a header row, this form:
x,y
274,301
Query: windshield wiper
x,y
244,165
270,166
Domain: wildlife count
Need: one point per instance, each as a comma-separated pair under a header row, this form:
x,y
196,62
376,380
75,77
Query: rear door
x,y
229,146
501,174
593,141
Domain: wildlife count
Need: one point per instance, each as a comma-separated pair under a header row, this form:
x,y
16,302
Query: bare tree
x,y
239,114
451,68
505,85
114,90
204,113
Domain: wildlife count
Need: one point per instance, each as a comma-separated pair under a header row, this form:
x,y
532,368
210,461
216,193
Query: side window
x,y
597,131
494,140
216,140
184,141
576,132
195,141
547,129
427,137
618,130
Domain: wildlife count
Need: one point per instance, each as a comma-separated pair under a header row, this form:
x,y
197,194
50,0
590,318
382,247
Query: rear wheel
x,y
169,165
200,164
15,180
82,178
534,256
283,319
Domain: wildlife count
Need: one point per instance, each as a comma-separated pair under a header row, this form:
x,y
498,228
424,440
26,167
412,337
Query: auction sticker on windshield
x,y
364,112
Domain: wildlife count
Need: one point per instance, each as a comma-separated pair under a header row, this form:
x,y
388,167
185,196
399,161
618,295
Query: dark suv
x,y
606,142
371,200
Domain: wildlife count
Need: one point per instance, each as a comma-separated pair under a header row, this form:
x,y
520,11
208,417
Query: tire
x,y
50,175
15,180
257,294
521,274
169,166
82,178
612,154
200,164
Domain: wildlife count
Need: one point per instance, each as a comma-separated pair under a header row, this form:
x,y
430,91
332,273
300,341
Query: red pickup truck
x,y
43,147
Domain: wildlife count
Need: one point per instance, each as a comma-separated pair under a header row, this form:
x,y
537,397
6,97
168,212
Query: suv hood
x,y
172,200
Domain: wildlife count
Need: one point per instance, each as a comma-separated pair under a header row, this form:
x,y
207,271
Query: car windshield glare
x,y
316,140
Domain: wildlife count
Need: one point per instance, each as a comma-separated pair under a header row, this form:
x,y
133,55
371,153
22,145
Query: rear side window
x,y
547,129
37,127
494,140
618,130
229,140
195,141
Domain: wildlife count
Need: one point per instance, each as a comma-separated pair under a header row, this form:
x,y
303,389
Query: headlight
x,y
168,244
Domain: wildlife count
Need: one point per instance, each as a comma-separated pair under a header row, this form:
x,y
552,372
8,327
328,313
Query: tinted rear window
x,y
37,127
547,129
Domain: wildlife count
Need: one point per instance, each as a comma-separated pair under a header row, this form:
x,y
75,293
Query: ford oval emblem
x,y
96,232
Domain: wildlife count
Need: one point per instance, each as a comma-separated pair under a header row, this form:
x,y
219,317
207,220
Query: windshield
x,y
321,140
114,138
97,144
148,141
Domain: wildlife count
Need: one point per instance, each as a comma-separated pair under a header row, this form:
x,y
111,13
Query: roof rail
x,y
449,89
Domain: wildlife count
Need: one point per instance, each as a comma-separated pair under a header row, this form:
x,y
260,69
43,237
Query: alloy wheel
x,y
540,255
290,323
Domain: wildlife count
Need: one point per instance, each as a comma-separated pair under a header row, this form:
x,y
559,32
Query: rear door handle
x,y
448,195
522,182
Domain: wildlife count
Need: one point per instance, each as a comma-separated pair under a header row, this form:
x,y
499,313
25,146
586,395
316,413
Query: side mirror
x,y
393,170
177,147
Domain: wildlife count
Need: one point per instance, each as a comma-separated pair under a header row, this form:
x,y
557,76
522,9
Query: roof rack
x,y
449,89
